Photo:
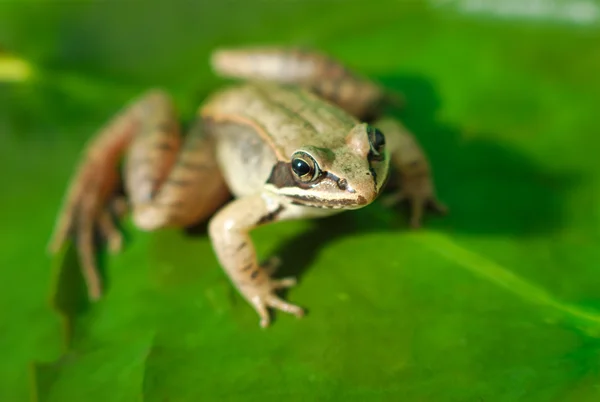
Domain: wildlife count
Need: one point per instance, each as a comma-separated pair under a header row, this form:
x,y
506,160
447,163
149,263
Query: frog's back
x,y
286,118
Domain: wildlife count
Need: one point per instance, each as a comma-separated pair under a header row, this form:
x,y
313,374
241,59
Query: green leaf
x,y
498,301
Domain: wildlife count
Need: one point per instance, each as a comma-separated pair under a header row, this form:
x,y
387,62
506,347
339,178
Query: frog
x,y
297,135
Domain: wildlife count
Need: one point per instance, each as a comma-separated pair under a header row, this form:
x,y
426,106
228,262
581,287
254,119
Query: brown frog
x,y
288,144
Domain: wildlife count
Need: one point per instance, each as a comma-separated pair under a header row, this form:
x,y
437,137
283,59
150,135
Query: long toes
x,y
110,232
62,231
438,206
416,213
284,283
56,243
115,243
86,218
261,309
276,302
88,265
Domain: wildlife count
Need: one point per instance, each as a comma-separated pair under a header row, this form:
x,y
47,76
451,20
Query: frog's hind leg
x,y
413,170
185,193
313,70
163,188
87,205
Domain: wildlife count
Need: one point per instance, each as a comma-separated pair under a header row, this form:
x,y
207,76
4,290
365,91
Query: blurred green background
x,y
499,301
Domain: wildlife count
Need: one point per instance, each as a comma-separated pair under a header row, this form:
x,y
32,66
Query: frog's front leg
x,y
413,170
229,231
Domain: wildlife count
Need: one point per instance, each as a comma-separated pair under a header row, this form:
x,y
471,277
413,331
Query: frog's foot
x,y
110,232
418,201
264,296
83,213
117,208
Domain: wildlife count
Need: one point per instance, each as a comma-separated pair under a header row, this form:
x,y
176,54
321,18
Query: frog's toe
x,y
115,243
438,207
277,303
418,205
416,214
262,302
64,228
58,239
110,232
87,260
284,283
261,308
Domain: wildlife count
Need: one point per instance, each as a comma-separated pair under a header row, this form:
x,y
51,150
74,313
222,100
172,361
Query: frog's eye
x,y
304,166
376,140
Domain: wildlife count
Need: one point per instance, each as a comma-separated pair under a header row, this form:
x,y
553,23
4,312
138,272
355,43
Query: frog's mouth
x,y
335,203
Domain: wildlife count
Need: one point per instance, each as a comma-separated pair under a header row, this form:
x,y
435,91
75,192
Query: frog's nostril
x,y
342,184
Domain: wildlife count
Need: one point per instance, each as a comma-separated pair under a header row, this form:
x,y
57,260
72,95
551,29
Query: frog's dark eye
x,y
304,166
376,140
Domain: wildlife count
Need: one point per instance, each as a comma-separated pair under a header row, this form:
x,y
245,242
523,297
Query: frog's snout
x,y
364,191
369,185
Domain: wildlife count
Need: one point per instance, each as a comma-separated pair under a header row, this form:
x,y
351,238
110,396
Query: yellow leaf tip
x,y
14,69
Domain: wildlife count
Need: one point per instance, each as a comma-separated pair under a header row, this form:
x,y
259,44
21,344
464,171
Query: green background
x,y
498,301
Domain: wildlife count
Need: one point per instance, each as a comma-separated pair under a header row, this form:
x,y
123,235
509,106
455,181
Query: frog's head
x,y
346,175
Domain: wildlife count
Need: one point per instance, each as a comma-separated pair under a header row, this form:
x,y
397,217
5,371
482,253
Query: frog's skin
x,y
288,144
